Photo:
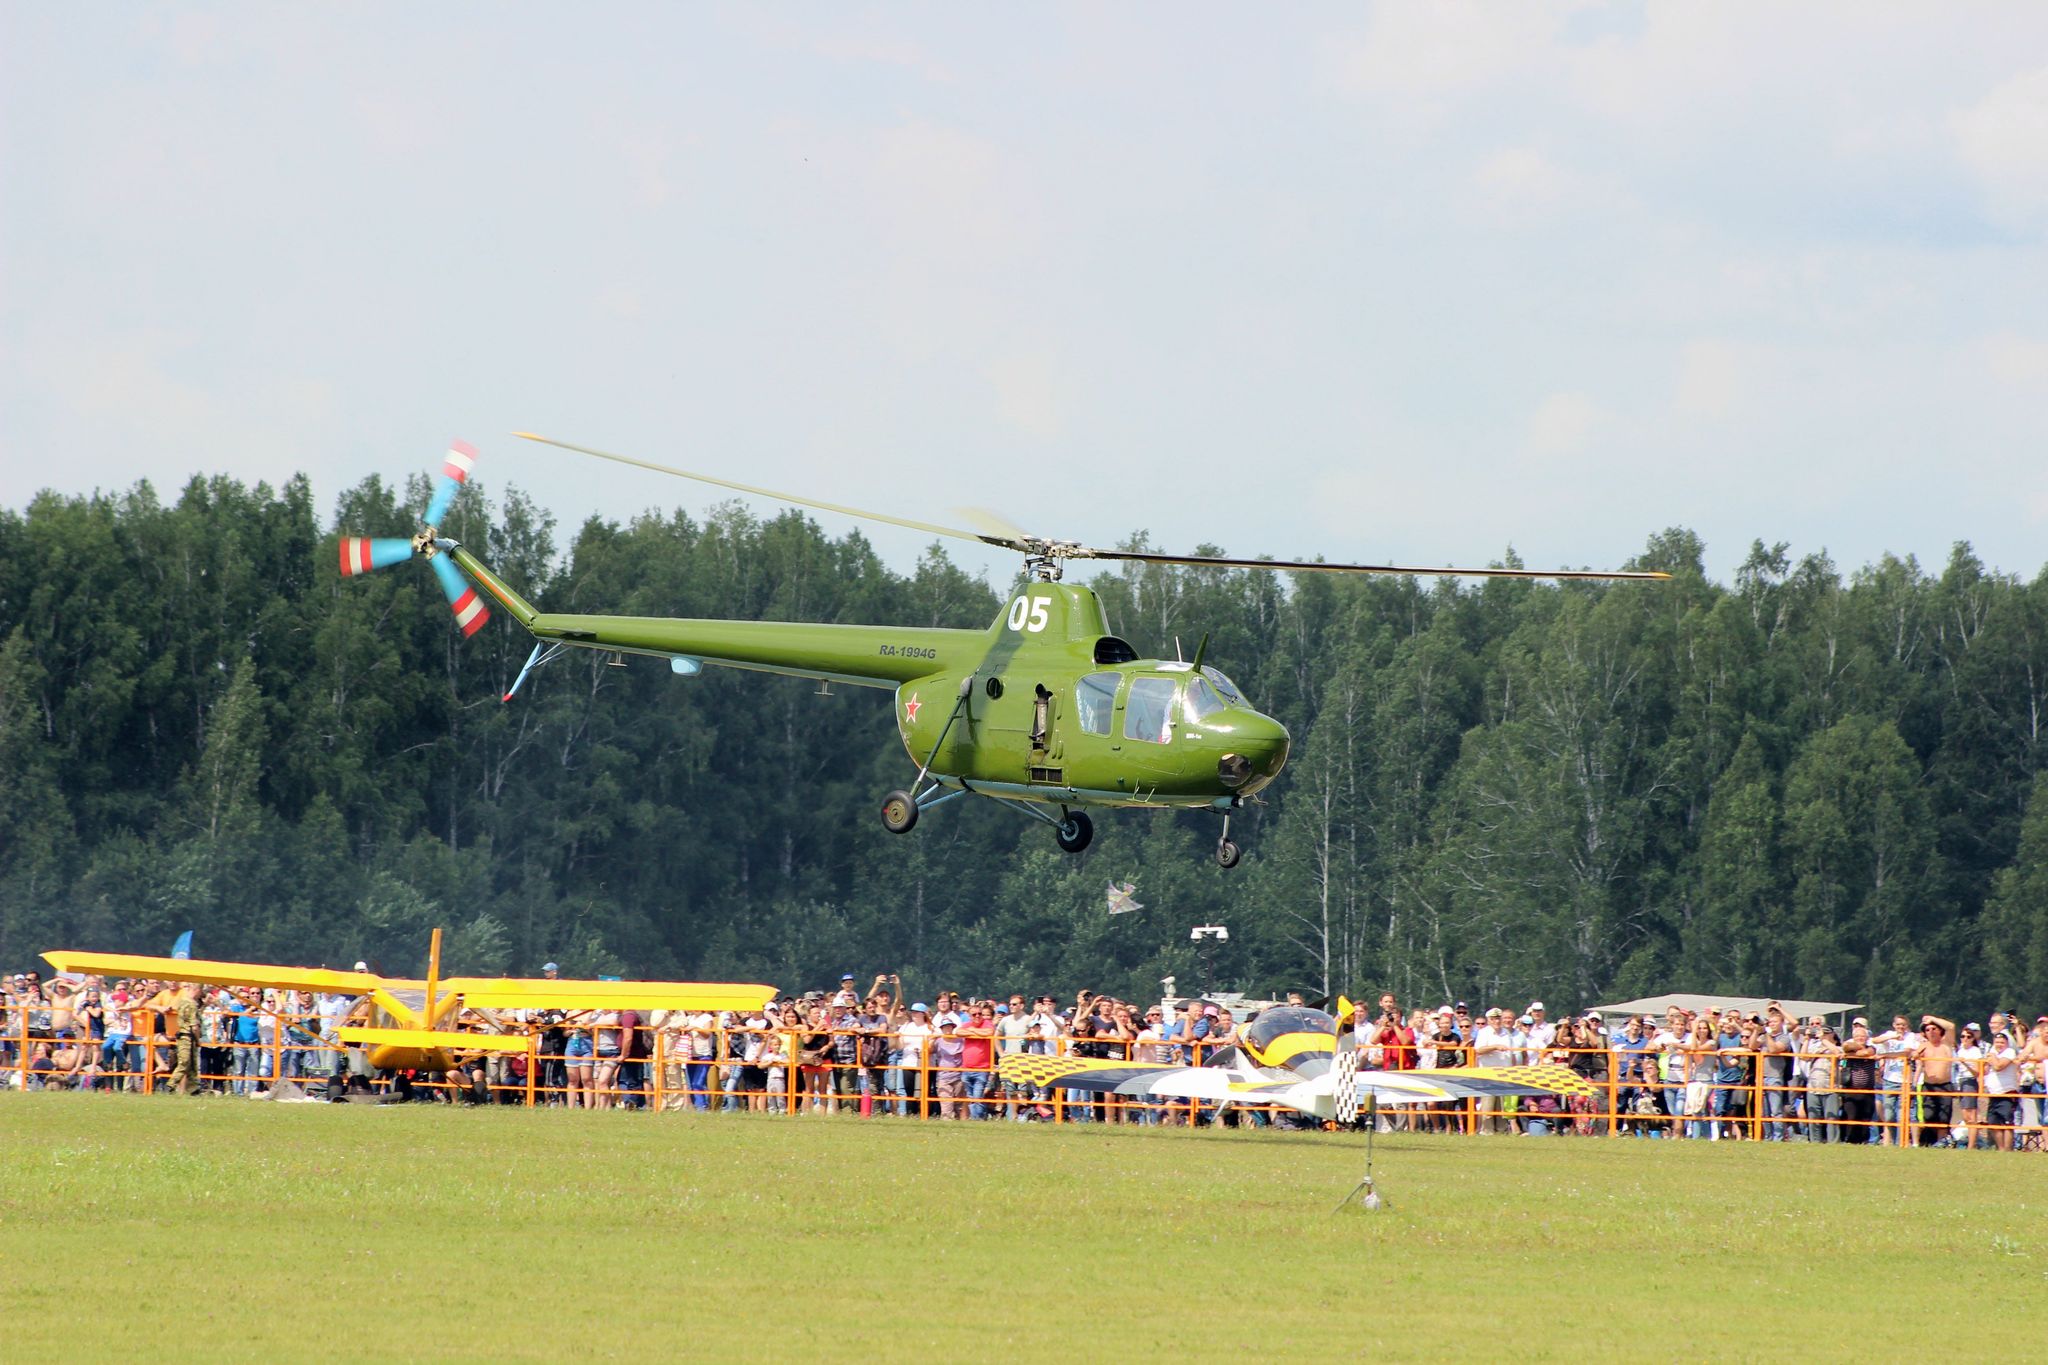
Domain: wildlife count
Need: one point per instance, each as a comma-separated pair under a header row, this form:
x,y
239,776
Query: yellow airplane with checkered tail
x,y
412,1023
1297,1057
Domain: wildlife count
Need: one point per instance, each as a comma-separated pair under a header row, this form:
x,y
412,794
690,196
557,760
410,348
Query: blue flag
x,y
182,949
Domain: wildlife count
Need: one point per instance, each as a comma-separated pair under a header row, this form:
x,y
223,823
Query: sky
x,y
1409,282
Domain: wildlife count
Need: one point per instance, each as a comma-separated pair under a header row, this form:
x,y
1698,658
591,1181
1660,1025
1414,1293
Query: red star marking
x,y
910,709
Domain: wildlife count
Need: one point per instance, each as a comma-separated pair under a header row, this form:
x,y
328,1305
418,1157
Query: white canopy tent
x,y
1747,1004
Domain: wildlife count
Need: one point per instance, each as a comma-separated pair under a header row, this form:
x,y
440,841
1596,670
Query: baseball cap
x,y
920,1008
949,1022
1525,1019
1859,1019
1208,1009
362,966
847,977
551,966
1002,1009
1535,1005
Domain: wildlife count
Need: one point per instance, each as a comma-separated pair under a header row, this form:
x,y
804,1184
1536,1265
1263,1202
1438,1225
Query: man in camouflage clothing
x,y
184,1077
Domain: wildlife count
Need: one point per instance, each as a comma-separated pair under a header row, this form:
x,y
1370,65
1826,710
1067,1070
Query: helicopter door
x,y
1044,736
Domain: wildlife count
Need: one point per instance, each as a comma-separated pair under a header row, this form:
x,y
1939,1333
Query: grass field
x,y
236,1230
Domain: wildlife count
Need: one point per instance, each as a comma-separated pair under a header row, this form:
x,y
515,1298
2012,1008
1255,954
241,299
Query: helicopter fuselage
x,y
1045,705
1052,707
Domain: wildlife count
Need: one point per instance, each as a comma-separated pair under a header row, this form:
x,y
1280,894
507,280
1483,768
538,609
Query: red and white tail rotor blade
x,y
361,554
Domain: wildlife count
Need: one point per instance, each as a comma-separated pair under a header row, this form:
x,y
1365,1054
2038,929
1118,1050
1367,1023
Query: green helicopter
x,y
1047,708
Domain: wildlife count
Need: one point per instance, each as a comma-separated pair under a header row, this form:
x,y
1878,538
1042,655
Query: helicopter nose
x,y
1259,752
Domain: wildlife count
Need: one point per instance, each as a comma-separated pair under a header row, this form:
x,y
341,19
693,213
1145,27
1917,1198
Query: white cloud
x,y
1427,52
1566,424
1028,394
1711,379
2017,360
2003,139
1522,177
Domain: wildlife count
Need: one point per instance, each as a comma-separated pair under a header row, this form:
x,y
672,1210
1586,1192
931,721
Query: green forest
x,y
1803,783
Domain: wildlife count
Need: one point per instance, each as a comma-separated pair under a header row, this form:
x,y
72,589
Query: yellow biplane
x,y
410,1021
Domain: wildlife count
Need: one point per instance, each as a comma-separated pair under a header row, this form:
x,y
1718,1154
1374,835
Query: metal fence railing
x,y
1668,1094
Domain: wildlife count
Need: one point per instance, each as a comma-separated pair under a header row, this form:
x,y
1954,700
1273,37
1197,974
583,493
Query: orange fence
x,y
787,1071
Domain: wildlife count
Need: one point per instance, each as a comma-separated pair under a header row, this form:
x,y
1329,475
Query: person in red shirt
x,y
1395,1043
1394,1039
977,1058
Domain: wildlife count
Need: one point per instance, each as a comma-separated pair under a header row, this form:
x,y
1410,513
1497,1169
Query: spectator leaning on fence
x,y
1856,1079
2000,1069
1775,1068
1935,1061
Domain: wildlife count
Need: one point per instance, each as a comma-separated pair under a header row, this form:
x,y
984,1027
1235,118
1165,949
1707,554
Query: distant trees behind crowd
x,y
1796,784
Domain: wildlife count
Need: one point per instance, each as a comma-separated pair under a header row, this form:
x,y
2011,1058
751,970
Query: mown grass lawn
x,y
227,1229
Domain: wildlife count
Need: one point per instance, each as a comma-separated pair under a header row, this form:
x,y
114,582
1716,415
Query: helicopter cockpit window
x,y
1223,685
1094,700
1202,700
1148,711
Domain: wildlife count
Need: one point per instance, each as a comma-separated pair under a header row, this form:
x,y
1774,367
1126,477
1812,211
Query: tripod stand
x,y
1367,1195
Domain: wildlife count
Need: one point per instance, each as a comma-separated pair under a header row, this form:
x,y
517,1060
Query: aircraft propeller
x,y
1045,554
365,554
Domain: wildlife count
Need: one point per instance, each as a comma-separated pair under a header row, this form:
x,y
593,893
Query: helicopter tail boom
x,y
867,656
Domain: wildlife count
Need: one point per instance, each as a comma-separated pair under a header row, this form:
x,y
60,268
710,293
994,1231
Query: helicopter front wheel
x,y
1074,832
899,812
1227,853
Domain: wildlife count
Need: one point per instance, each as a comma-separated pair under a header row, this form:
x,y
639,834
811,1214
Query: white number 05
x,y
1036,619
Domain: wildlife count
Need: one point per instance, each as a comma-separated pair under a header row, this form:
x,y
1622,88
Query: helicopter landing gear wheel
x,y
899,812
1074,832
1227,853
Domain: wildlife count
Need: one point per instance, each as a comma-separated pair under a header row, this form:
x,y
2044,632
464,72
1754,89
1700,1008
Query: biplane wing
x,y
222,973
407,1028
498,993
477,992
441,1038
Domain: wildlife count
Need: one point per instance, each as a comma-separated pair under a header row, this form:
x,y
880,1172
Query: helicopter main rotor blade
x,y
993,527
999,531
757,491
1319,566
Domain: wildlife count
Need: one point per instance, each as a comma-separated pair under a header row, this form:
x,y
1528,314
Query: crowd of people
x,y
1732,1076
1758,1076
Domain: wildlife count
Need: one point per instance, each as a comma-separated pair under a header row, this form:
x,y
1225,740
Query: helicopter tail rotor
x,y
365,554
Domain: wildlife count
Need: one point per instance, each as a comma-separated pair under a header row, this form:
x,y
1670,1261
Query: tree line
x,y
1801,783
